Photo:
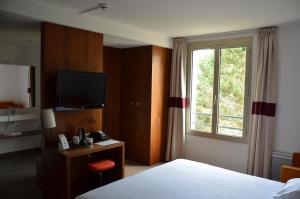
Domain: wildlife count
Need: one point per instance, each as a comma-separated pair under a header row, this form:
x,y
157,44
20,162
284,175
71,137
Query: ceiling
x,y
129,23
175,18
25,31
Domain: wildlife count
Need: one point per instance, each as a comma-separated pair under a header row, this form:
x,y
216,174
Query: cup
x,y
89,141
76,140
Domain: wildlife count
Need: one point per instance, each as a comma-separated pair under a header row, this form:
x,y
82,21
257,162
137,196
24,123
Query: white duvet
x,y
185,179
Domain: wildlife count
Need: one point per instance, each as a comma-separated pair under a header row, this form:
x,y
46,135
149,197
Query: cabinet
x,y
144,100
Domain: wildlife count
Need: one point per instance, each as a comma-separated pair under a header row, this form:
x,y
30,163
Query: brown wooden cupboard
x,y
144,100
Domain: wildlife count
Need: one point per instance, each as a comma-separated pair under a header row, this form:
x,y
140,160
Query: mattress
x,y
185,179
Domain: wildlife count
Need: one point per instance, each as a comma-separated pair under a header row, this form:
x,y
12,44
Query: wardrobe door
x,y
135,102
161,65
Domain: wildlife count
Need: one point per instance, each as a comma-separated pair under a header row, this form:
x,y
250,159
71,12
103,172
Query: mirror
x,y
17,86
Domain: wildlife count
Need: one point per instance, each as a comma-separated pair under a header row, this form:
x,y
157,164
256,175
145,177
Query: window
x,y
219,88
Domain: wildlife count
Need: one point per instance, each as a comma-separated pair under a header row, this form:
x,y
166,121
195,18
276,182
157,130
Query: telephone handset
x,y
62,142
99,136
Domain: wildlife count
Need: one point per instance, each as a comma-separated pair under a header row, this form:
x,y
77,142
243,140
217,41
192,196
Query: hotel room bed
x,y
185,179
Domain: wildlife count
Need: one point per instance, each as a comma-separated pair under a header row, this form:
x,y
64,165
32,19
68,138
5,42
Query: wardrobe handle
x,y
138,104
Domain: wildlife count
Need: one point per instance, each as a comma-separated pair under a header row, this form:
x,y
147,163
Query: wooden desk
x,y
70,167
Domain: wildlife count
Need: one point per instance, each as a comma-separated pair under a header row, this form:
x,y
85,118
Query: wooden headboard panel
x,y
69,49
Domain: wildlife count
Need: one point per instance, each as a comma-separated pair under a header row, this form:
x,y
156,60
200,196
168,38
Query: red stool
x,y
100,166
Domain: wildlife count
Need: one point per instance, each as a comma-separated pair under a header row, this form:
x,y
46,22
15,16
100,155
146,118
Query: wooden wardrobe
x,y
144,102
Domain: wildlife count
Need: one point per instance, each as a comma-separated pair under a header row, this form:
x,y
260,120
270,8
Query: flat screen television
x,y
80,90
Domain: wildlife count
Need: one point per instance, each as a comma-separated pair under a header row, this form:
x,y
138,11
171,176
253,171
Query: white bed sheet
x,y
185,179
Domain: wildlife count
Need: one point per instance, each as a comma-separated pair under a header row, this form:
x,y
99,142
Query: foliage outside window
x,y
219,72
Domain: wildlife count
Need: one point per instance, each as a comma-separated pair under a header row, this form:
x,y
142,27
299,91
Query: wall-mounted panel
x,y
69,49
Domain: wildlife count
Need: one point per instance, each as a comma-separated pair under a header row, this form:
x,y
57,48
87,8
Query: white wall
x,y
287,137
229,155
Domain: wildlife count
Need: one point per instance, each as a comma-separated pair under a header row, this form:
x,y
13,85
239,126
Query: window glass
x,y
202,89
231,91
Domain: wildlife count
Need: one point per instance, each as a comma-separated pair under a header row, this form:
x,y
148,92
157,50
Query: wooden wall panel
x,y
111,113
69,49
161,65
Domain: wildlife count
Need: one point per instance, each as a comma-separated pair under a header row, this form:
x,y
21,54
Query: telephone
x,y
99,136
62,142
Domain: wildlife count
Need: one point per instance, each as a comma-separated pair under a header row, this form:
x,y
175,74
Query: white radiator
x,y
279,159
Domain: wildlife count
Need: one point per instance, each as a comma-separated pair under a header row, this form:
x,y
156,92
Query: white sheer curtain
x,y
264,104
177,101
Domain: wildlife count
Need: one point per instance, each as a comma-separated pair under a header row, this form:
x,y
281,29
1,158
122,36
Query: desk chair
x,y
289,172
100,166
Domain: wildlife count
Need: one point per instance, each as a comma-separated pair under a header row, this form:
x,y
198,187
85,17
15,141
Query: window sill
x,y
242,140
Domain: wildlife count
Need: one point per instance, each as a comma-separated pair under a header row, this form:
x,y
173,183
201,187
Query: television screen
x,y
80,90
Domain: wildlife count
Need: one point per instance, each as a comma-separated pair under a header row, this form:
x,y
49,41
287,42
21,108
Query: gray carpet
x,y
18,176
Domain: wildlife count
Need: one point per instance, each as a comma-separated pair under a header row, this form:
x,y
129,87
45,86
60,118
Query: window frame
x,y
217,45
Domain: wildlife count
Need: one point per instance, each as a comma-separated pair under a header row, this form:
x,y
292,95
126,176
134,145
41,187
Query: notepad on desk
x,y
107,142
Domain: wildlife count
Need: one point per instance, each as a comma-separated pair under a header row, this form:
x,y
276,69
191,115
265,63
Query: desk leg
x,y
120,161
68,179
123,161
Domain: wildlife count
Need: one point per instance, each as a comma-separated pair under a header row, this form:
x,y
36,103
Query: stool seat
x,y
101,165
